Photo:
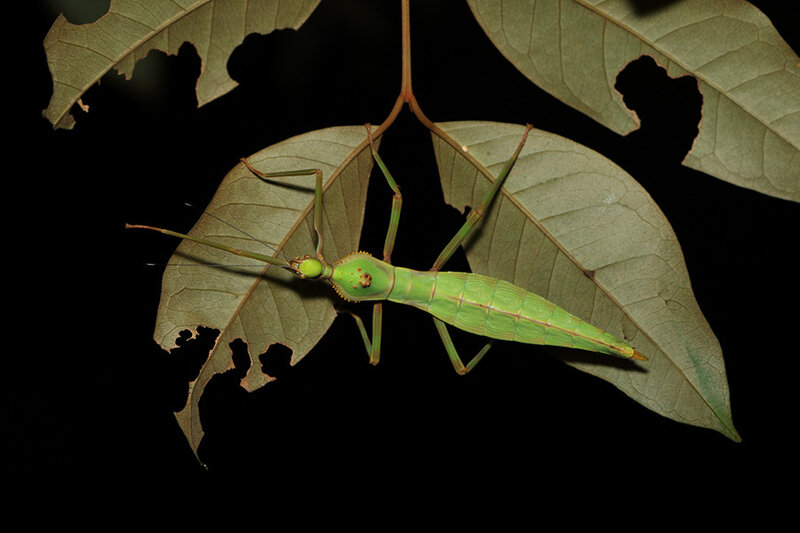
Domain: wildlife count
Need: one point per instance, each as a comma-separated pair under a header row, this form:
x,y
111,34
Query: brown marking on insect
x,y
366,280
588,273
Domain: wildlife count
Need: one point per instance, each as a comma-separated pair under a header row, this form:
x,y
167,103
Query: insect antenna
x,y
204,265
281,262
240,230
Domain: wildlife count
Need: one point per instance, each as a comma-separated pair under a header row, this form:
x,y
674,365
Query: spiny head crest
x,y
351,254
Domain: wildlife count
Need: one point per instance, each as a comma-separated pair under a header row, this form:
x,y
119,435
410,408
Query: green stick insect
x,y
475,303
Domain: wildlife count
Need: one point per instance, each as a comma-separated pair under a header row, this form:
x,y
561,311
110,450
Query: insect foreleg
x,y
458,364
317,195
476,214
361,328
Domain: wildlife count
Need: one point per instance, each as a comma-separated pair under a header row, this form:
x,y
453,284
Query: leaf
x,y
573,227
267,305
79,55
748,76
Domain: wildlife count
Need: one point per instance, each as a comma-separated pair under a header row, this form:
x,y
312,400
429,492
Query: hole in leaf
x,y
83,12
648,7
669,109
187,359
165,80
240,356
161,91
275,361
267,51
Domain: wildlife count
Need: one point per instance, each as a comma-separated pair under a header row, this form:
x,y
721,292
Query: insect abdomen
x,y
495,308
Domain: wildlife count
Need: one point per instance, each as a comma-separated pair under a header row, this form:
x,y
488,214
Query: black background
x,y
93,397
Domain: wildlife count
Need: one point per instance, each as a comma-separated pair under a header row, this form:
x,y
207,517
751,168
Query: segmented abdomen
x,y
495,308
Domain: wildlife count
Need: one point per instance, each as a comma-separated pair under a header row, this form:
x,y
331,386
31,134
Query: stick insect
x,y
478,304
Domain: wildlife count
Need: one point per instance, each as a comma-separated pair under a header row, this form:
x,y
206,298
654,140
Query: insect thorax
x,y
359,276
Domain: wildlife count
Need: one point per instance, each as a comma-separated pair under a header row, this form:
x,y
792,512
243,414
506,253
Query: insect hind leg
x,y
458,364
373,346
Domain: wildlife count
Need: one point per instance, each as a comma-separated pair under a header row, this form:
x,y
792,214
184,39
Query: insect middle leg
x,y
374,347
469,225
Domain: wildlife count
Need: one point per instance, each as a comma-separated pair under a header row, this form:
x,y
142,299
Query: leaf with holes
x,y
264,306
573,227
79,55
748,76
